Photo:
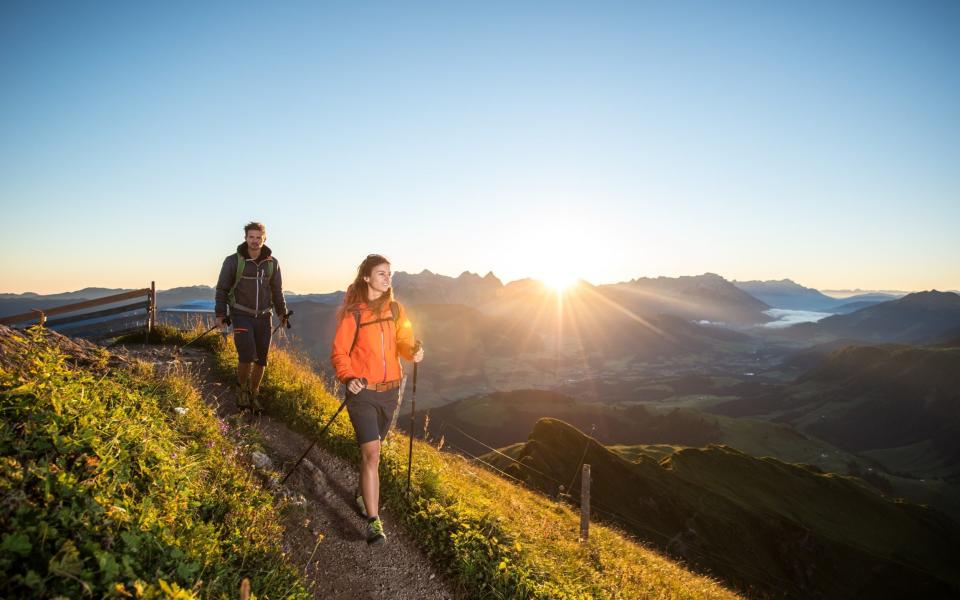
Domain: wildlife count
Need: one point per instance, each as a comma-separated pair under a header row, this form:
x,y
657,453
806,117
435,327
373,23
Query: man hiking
x,y
251,289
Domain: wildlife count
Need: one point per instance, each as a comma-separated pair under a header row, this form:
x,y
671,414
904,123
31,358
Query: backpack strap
x,y
241,263
356,332
394,311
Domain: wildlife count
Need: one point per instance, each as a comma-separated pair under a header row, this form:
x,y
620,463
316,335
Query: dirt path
x,y
325,534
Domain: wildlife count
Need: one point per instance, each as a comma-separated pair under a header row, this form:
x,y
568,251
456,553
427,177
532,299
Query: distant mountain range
x,y
662,294
767,527
703,297
426,287
483,336
707,297
524,334
789,295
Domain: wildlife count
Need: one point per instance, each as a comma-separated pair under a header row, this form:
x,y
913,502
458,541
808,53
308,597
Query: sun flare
x,y
559,282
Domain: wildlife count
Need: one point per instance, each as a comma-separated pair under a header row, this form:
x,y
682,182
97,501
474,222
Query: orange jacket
x,y
380,344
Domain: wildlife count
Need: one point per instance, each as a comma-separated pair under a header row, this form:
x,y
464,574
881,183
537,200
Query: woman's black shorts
x,y
372,413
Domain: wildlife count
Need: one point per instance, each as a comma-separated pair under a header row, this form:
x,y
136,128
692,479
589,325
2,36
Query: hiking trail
x,y
324,534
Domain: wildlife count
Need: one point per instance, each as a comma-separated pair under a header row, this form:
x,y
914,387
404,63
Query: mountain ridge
x,y
787,294
757,523
920,317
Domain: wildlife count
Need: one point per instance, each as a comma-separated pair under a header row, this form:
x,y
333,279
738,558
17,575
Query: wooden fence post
x,y
585,504
152,311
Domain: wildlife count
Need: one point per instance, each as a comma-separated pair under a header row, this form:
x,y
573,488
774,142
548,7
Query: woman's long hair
x,y
358,291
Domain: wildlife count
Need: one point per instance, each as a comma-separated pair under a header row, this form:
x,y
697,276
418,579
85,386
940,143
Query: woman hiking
x,y
372,334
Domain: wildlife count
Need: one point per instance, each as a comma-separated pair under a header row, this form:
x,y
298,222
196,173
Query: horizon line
x,y
849,290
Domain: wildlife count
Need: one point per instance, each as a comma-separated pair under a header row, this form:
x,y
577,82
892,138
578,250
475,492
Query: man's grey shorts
x,y
372,413
252,338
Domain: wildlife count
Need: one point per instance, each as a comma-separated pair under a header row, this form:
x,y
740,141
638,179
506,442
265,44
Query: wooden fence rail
x,y
103,328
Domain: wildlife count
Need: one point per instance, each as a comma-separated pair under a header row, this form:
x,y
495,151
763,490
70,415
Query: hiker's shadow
x,y
332,498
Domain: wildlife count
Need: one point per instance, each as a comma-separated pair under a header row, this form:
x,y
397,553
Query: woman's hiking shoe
x,y
375,534
361,505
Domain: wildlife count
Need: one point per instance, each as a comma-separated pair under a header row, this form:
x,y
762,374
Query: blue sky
x,y
759,140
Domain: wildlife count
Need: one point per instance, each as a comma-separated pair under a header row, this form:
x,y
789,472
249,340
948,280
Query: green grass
x,y
751,520
759,437
921,458
165,334
634,453
762,438
117,483
697,401
497,539
933,492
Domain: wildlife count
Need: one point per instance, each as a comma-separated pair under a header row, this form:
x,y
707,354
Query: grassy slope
x,y
759,522
879,399
504,418
921,457
107,490
766,441
762,438
893,404
498,539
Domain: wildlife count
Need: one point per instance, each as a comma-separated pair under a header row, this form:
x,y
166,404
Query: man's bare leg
x,y
243,373
243,379
256,376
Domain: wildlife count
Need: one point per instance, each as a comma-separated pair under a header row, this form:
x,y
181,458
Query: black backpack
x,y
394,311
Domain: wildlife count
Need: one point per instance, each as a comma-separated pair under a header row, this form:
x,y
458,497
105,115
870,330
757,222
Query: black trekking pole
x,y
413,409
346,398
226,322
283,320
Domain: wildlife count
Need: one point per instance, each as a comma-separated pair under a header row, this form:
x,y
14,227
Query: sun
x,y
558,282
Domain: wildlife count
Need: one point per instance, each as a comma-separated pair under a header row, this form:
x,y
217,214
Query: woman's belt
x,y
384,387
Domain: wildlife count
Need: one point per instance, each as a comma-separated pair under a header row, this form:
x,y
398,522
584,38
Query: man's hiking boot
x,y
375,534
243,396
255,401
361,505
